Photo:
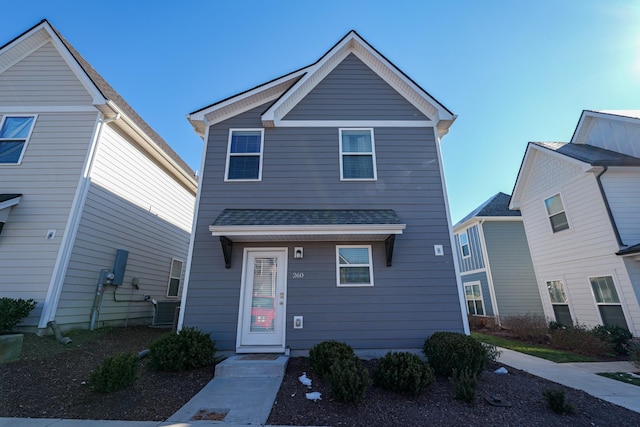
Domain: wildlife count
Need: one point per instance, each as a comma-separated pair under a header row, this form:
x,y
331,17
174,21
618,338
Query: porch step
x,y
252,365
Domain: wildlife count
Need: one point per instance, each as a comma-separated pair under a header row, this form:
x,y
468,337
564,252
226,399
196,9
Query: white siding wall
x,y
47,179
132,205
622,187
587,249
42,78
614,135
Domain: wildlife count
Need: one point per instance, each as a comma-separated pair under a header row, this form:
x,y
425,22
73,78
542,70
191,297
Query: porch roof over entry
x,y
279,225
261,225
6,202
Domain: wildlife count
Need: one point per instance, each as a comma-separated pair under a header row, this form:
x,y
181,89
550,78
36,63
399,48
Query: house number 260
x,y
297,275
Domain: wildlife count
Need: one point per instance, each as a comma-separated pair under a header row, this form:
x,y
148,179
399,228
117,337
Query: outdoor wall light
x,y
298,252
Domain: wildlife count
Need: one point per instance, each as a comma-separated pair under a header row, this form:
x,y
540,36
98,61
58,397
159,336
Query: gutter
x,y
606,204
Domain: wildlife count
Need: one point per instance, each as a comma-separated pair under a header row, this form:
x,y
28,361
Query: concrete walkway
x,y
245,388
581,376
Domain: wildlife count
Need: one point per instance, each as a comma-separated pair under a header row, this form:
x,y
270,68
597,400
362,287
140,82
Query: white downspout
x,y
71,229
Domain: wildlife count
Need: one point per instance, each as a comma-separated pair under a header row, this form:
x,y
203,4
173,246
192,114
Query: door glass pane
x,y
263,308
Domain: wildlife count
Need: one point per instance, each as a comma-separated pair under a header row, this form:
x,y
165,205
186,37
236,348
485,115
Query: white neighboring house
x,y
83,178
580,202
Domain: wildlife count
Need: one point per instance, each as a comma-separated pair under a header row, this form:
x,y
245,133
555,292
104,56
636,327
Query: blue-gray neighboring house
x,y
322,212
494,260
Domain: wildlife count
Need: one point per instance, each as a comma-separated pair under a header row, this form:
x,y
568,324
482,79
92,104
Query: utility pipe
x,y
56,331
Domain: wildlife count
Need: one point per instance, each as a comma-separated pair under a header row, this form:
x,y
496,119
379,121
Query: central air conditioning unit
x,y
166,313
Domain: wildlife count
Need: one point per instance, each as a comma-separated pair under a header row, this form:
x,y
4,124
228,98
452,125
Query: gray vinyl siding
x,y
352,91
410,300
475,261
42,78
514,279
481,277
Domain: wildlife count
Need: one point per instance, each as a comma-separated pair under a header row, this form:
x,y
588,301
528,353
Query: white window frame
x,y
468,245
615,288
481,299
359,153
369,265
230,154
26,140
564,211
179,277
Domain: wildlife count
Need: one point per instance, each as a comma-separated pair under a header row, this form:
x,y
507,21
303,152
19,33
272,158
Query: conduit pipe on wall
x,y
56,331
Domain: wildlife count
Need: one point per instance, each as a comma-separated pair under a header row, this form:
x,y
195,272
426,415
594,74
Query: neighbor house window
x,y
604,291
354,266
473,294
174,278
244,155
357,154
558,298
556,213
14,136
464,245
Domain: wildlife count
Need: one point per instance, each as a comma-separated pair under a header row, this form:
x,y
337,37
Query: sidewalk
x,y
581,376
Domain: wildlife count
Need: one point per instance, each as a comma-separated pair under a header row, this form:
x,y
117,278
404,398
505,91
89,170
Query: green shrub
x,y
527,327
13,311
116,372
403,373
349,380
615,335
553,325
579,339
557,401
448,350
464,382
323,355
188,349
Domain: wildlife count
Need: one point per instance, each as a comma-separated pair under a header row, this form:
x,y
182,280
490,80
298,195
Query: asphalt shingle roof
x,y
497,205
249,217
5,197
595,156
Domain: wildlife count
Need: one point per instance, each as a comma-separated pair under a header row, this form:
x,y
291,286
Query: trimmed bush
x,y
579,339
116,372
464,382
615,335
13,311
448,350
349,380
403,373
323,355
188,349
557,401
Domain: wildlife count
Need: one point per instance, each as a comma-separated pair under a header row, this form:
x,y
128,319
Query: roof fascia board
x,y
94,92
9,203
244,101
290,230
352,43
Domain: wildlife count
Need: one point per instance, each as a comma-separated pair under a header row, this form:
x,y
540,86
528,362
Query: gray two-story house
x,y
322,212
495,263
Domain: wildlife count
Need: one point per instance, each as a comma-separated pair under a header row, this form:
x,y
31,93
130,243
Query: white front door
x,y
261,320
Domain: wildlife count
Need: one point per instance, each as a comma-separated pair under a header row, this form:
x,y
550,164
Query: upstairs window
x,y
556,213
357,155
174,278
14,136
464,245
354,266
244,155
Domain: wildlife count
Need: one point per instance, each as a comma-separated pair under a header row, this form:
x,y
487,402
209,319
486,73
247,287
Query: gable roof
x,y
105,97
496,206
285,92
594,156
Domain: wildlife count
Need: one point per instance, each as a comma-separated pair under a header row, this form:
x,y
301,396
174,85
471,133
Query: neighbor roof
x,y
497,205
595,156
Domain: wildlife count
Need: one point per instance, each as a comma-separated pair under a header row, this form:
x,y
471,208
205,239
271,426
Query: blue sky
x,y
512,71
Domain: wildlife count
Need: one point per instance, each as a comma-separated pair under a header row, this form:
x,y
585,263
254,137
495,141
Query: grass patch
x,y
624,377
40,347
543,352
